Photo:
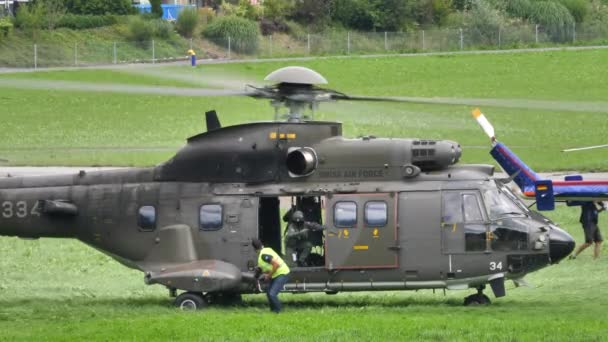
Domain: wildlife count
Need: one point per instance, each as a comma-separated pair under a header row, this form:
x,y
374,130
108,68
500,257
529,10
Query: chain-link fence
x,y
13,54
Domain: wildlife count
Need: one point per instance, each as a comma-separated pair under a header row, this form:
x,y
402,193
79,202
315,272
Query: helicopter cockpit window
x,y
510,235
345,214
210,216
146,218
500,205
376,214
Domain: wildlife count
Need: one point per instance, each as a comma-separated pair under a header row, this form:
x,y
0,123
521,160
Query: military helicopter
x,y
399,213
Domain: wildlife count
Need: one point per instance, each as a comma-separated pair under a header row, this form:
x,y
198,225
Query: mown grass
x,y
99,122
64,290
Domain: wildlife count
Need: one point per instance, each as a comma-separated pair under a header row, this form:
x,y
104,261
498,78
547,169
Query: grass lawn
x,y
50,127
64,290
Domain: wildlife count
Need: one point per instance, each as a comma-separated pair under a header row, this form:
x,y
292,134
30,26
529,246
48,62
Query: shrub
x,y
269,27
79,22
295,29
186,22
243,33
205,15
99,7
484,23
519,8
5,27
554,18
161,28
140,30
578,9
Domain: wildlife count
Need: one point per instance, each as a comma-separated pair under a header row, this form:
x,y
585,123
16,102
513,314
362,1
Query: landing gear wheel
x,y
477,299
190,301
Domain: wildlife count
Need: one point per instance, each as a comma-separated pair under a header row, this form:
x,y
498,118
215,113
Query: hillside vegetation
x,y
66,32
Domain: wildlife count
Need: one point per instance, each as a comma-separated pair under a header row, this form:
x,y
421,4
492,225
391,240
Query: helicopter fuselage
x,y
395,217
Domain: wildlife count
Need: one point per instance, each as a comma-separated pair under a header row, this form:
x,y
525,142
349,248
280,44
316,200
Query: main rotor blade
x,y
223,80
584,148
116,88
567,106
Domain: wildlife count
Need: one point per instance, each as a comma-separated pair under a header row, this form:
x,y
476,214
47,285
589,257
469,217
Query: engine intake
x,y
301,161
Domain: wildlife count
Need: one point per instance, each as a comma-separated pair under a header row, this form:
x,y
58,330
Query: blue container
x,y
170,12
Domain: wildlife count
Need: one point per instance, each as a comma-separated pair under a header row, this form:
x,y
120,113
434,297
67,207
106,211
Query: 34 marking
x,y
495,265
19,209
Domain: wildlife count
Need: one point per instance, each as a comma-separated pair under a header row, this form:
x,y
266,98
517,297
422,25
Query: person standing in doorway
x,y
275,270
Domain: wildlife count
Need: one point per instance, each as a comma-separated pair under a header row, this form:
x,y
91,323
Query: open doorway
x,y
302,245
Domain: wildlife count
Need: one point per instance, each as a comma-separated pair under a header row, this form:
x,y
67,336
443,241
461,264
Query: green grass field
x,y
64,290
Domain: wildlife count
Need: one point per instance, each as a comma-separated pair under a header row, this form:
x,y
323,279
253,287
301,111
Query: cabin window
x,y
146,218
463,212
472,213
474,234
210,217
345,214
452,207
376,213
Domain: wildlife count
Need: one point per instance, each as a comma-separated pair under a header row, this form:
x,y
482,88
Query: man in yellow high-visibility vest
x,y
275,270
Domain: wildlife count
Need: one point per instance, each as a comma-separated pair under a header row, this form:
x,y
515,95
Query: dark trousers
x,y
276,285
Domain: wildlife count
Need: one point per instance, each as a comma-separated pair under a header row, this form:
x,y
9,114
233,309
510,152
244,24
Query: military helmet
x,y
297,216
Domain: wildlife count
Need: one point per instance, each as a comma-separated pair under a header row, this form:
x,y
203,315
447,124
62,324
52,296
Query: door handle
x,y
395,248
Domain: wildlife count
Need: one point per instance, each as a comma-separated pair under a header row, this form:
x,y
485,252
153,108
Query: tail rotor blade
x,y
484,123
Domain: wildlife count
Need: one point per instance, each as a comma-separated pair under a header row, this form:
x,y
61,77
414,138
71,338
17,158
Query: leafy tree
x,y
356,14
392,15
54,10
277,9
430,12
311,12
30,18
246,10
156,8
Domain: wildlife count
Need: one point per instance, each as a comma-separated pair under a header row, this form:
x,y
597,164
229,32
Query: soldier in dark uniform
x,y
301,236
589,220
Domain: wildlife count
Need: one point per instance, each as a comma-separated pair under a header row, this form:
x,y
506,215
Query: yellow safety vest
x,y
267,267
